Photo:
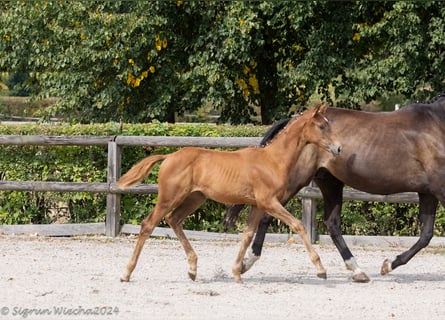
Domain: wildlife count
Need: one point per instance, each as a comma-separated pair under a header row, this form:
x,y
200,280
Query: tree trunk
x,y
267,83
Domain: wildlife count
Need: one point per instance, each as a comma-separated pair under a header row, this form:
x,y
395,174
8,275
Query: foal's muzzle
x,y
335,149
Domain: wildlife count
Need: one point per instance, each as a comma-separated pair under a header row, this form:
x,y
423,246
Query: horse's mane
x,y
440,96
276,128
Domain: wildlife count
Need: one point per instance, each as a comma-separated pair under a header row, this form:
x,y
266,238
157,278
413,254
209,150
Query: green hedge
x,y
89,164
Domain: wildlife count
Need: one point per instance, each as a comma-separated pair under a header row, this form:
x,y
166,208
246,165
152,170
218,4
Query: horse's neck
x,y
286,147
436,108
440,103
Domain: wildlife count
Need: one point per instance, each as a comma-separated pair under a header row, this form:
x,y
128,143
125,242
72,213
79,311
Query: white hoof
x,y
249,261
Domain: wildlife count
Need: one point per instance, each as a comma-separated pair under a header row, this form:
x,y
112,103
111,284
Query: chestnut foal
x,y
255,176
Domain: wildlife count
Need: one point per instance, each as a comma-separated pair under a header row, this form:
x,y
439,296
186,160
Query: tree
x,y
143,60
101,59
407,51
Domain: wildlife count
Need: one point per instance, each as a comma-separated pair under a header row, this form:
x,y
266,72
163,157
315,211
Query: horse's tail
x,y
139,171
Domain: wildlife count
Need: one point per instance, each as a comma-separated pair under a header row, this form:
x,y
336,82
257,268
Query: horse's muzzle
x,y
335,149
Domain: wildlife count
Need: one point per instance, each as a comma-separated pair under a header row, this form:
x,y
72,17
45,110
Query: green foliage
x,y
17,85
407,46
41,163
249,61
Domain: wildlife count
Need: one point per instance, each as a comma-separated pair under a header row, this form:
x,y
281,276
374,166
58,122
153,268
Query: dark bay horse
x,y
383,153
255,176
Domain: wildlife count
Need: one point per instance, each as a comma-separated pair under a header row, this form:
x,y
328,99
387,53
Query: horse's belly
x,y
228,195
386,182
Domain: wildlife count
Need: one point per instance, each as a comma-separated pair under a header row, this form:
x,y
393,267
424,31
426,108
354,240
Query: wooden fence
x,y
115,143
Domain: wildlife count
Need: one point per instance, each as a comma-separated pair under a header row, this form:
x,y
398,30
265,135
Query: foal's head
x,y
317,130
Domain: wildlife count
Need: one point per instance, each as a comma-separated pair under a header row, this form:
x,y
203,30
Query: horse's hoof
x,y
192,276
360,277
125,279
249,261
322,275
239,280
386,267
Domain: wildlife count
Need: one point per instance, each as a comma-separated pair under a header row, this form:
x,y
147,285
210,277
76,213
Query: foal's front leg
x,y
254,218
275,209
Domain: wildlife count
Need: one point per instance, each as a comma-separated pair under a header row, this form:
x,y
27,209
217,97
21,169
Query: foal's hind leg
x,y
254,218
147,226
175,220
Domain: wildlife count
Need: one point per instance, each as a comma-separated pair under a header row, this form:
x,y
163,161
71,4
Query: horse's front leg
x,y
175,220
252,223
332,190
427,213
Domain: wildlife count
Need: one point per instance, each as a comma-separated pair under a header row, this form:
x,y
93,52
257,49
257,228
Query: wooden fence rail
x,y
115,143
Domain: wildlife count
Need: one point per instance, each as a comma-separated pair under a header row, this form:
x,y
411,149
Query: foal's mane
x,y
273,131
276,130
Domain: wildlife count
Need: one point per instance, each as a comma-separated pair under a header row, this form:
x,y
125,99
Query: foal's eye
x,y
321,126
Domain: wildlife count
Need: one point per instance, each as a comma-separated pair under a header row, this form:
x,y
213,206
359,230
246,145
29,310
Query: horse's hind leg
x,y
427,213
175,220
147,226
232,216
254,218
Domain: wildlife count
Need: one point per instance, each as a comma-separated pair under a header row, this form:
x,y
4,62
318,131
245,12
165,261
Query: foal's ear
x,y
320,109
323,108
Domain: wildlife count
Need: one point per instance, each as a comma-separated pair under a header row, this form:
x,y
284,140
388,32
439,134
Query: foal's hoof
x,y
125,279
360,277
322,275
192,276
238,280
386,267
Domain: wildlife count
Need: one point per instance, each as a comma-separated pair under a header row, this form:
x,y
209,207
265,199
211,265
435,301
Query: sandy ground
x,y
78,278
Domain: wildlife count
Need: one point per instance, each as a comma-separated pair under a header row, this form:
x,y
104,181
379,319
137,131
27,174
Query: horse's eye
x,y
321,126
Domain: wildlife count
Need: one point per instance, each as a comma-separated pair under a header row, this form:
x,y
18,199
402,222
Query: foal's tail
x,y
139,171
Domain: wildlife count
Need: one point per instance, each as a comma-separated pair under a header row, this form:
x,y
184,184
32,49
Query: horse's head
x,y
318,130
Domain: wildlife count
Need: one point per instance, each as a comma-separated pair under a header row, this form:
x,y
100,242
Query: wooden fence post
x,y
309,207
112,222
